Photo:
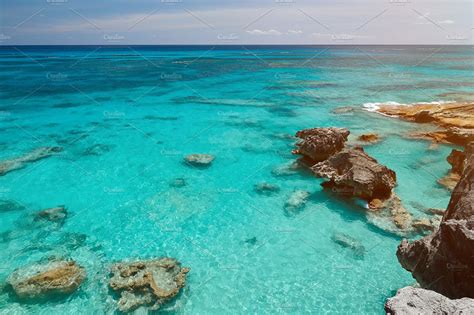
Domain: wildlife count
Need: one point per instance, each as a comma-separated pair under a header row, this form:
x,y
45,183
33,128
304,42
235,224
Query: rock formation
x,y
443,261
354,170
147,283
456,159
369,138
348,241
411,300
353,173
56,214
266,188
456,119
318,144
33,156
199,160
296,201
41,280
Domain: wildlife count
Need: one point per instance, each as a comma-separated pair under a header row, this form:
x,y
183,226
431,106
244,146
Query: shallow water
x,y
126,117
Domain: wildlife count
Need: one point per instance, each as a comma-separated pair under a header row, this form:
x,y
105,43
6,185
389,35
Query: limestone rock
x,y
41,280
355,170
318,144
296,201
147,283
369,138
56,214
199,160
33,156
443,261
266,188
410,301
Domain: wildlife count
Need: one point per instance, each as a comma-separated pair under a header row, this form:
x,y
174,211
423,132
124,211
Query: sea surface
x,y
127,116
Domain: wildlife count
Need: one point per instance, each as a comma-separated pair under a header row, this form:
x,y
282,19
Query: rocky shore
x,y
455,120
352,173
443,261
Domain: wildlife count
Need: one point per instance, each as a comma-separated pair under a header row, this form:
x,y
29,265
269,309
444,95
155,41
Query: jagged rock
x,y
296,201
443,261
423,226
435,211
393,209
411,301
318,144
199,160
348,241
369,138
41,280
33,156
56,214
147,283
355,170
266,188
456,159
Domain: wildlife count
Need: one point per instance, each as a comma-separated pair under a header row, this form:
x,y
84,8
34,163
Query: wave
x,y
374,107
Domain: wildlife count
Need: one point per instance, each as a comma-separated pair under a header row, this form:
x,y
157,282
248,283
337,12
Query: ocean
x,y
127,116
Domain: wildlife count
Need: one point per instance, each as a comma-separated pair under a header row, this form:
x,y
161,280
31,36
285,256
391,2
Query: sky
x,y
223,22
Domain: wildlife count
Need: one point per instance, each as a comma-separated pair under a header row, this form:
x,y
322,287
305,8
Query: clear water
x,y
126,117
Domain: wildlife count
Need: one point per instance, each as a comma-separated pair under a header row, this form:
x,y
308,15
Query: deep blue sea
x,y
127,116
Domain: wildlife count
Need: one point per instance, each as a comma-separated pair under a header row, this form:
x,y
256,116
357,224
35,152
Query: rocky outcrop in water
x,y
318,144
358,173
369,138
147,283
411,300
33,156
199,160
456,119
456,159
443,261
42,280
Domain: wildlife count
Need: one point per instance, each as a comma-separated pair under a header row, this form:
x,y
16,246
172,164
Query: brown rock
x,y
370,138
443,261
354,169
147,283
41,280
318,144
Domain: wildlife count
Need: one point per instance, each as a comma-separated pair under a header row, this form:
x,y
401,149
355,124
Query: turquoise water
x,y
126,117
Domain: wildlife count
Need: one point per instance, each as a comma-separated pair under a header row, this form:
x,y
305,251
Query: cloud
x,y
273,32
446,22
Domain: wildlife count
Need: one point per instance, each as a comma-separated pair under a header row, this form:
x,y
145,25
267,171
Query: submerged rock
x,y
318,144
348,241
287,169
393,209
10,205
411,300
296,201
41,280
178,182
147,283
369,138
443,261
266,188
199,160
352,169
56,214
33,156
